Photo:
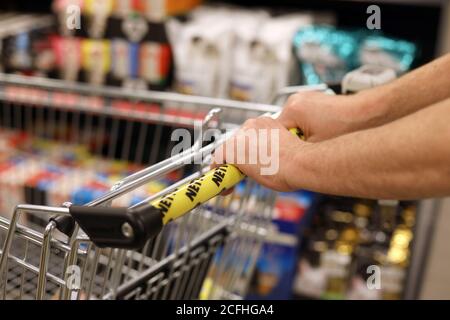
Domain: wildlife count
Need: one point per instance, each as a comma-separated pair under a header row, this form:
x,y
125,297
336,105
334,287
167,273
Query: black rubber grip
x,y
118,227
65,224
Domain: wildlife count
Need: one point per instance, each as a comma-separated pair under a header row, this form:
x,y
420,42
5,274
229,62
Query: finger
x,y
227,192
289,114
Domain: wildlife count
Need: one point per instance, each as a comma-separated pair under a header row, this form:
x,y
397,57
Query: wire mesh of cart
x,y
111,247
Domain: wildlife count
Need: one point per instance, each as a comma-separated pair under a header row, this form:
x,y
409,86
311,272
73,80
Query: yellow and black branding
x,y
198,191
219,175
165,203
194,188
299,133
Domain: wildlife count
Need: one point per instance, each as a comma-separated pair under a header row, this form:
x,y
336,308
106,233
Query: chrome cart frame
x,y
219,241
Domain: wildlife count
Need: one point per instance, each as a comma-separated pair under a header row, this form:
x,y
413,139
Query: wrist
x,y
299,162
367,109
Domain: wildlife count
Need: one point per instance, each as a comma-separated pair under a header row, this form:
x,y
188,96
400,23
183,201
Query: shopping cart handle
x,y
130,228
64,224
123,228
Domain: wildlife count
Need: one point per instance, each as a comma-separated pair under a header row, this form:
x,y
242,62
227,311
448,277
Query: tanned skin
x,y
390,142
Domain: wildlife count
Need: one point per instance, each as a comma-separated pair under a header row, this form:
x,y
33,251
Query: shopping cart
x,y
105,249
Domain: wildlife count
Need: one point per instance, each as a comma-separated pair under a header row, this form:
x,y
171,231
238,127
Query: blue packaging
x,y
326,54
276,266
396,54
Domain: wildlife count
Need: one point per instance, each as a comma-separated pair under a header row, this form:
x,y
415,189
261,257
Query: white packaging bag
x,y
265,64
202,53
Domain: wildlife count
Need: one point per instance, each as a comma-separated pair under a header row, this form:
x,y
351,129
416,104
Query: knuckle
x,y
293,102
269,122
297,102
298,97
250,123
290,102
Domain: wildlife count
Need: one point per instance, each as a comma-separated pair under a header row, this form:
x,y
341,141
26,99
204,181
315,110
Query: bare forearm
x,y
405,159
420,88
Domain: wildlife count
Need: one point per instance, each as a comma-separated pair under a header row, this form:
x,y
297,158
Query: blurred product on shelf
x,y
68,57
202,53
264,63
215,51
95,60
44,172
326,54
382,51
120,43
97,12
349,243
24,45
368,76
223,51
273,272
276,267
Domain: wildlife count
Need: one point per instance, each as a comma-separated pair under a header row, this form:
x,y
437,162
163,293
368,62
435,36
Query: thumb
x,y
287,118
293,118
293,111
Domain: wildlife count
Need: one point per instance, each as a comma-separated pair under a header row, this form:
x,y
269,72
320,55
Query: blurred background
x,y
244,51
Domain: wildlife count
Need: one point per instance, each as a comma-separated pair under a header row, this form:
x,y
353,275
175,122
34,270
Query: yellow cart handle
x,y
130,228
189,196
186,198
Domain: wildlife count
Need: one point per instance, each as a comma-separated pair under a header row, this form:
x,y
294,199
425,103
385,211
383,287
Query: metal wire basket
x,y
106,248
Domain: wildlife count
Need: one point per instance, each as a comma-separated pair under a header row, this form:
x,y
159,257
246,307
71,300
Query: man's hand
x,y
264,150
374,144
321,116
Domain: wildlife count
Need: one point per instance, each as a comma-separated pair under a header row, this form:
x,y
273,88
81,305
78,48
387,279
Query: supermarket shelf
x,y
141,95
401,2
18,23
138,105
426,3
